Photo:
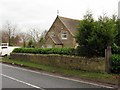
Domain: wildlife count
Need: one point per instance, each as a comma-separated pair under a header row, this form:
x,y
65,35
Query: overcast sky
x,y
41,13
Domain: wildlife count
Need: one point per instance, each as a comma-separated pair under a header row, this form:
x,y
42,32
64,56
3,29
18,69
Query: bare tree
x,y
42,39
8,30
44,33
15,40
4,36
25,37
35,36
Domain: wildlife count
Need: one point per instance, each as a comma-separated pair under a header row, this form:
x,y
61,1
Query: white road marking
x,y
80,81
34,86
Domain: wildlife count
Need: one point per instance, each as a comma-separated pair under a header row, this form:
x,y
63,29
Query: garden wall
x,y
69,62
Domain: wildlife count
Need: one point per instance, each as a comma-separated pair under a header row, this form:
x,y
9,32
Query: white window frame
x,y
64,35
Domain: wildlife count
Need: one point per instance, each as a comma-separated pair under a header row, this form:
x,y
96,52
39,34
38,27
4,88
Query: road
x,y
16,77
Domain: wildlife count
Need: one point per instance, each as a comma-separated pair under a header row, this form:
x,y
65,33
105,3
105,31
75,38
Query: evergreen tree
x,y
94,36
117,39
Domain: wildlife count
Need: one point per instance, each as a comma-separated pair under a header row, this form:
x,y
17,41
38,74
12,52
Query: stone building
x,y
62,33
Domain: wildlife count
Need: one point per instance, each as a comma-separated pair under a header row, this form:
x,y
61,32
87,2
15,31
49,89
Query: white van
x,y
5,49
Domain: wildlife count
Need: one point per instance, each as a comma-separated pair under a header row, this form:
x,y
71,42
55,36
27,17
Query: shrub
x,y
116,63
61,51
115,49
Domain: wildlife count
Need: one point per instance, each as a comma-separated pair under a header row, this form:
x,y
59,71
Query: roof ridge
x,y
68,18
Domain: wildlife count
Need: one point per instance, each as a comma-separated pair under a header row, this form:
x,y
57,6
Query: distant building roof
x,y
70,24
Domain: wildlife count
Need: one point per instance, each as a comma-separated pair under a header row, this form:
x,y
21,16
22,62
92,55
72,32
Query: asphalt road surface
x,y
15,77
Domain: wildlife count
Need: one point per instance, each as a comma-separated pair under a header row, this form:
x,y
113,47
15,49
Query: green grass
x,y
101,77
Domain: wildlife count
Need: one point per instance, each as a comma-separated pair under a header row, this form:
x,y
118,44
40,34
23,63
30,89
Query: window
x,y
64,35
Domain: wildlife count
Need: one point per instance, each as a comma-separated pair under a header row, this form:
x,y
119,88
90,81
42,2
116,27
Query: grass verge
x,y
98,77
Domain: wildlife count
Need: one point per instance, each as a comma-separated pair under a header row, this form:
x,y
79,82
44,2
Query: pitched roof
x,y
70,24
56,40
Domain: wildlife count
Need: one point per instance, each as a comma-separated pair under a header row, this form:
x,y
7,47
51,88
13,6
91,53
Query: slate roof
x,y
70,24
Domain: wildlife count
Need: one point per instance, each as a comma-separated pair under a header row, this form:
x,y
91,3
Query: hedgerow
x,y
115,49
66,51
116,63
61,51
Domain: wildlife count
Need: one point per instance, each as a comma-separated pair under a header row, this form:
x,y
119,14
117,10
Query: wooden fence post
x,y
108,55
118,81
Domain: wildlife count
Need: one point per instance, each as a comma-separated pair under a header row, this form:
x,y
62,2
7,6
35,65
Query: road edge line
x,y
80,81
34,86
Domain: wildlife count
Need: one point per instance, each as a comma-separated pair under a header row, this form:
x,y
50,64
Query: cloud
x,y
43,12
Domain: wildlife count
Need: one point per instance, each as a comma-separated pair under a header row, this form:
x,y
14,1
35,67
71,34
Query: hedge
x,y
116,63
115,49
61,51
67,51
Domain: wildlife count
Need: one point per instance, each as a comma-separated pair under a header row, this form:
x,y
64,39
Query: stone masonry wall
x,y
69,62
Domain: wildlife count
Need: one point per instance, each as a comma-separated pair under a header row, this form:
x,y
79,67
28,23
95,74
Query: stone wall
x,y
69,62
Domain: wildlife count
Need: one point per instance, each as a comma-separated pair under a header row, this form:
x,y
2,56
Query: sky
x,y
41,14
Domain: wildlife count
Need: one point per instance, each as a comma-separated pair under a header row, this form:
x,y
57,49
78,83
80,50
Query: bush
x,y
115,49
116,63
61,51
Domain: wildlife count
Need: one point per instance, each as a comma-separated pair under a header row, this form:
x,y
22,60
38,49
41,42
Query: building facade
x,y
62,33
